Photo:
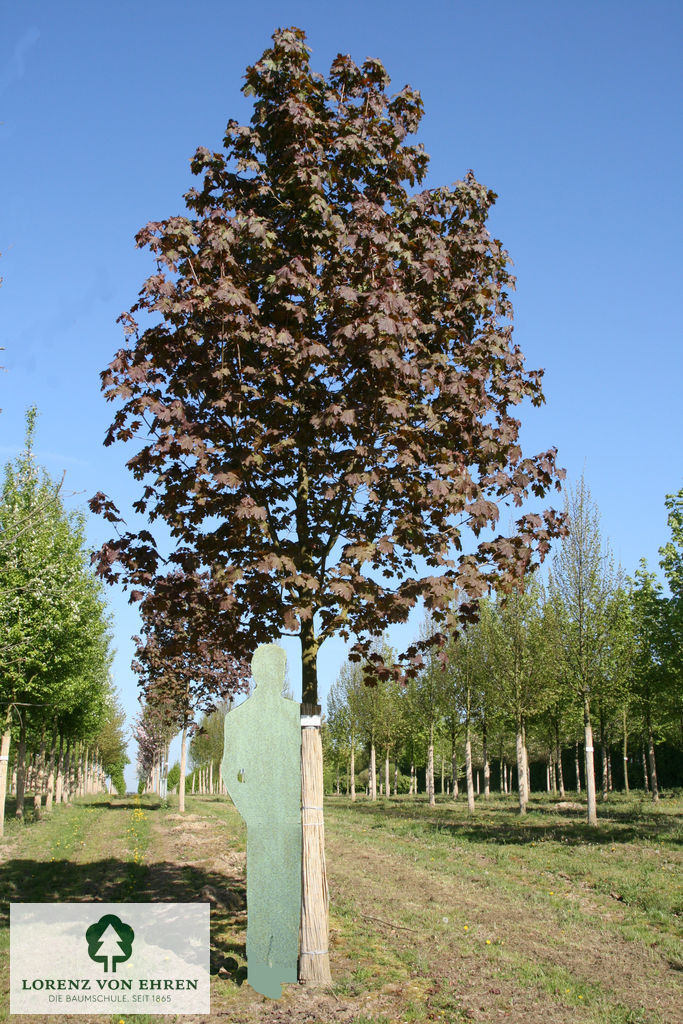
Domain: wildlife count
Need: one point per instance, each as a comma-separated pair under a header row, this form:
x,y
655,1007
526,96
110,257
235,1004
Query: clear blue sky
x,y
571,112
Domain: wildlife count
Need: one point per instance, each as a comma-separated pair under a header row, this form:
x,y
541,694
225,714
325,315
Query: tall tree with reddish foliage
x,y
324,394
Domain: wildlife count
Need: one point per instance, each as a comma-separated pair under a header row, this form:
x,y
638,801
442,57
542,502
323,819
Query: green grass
x,y
430,909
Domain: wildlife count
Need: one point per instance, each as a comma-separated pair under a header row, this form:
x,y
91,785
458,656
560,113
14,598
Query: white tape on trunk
x,y
310,721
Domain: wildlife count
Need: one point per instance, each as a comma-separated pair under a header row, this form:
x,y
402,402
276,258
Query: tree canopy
x,y
324,395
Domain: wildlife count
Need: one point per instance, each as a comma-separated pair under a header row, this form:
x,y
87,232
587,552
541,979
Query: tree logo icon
x,y
110,941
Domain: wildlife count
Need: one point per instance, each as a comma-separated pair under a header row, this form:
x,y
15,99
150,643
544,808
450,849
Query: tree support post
x,y
314,958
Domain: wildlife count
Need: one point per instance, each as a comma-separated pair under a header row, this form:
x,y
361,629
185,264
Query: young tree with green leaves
x,y
53,625
580,587
671,562
650,665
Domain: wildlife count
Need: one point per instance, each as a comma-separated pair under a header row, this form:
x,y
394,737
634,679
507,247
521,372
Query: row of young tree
x,y
552,671
62,726
198,770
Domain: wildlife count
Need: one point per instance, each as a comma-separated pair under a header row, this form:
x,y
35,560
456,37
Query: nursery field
x,y
434,916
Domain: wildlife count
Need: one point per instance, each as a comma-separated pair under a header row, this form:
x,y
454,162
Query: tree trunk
x,y
603,755
21,769
454,768
386,774
558,757
183,765
651,758
59,784
210,780
521,770
353,770
430,766
314,960
468,769
591,808
68,772
395,780
373,772
646,784
40,775
578,767
625,753
4,764
49,796
487,766
610,780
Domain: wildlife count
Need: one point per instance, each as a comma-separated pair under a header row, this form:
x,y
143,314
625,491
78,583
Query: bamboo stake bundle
x,y
314,960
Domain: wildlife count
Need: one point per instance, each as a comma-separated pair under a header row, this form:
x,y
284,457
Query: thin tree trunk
x,y
558,757
386,774
603,755
651,758
646,784
59,784
454,768
373,772
610,780
468,767
591,808
21,769
183,764
430,766
521,770
578,767
487,766
625,753
4,763
353,769
396,780
40,773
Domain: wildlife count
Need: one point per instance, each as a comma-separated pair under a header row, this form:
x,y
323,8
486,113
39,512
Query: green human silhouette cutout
x,y
261,768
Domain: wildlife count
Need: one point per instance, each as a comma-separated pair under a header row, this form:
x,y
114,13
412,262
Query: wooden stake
x,y
314,959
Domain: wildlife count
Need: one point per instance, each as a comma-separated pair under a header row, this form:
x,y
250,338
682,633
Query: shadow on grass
x,y
110,880
543,822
